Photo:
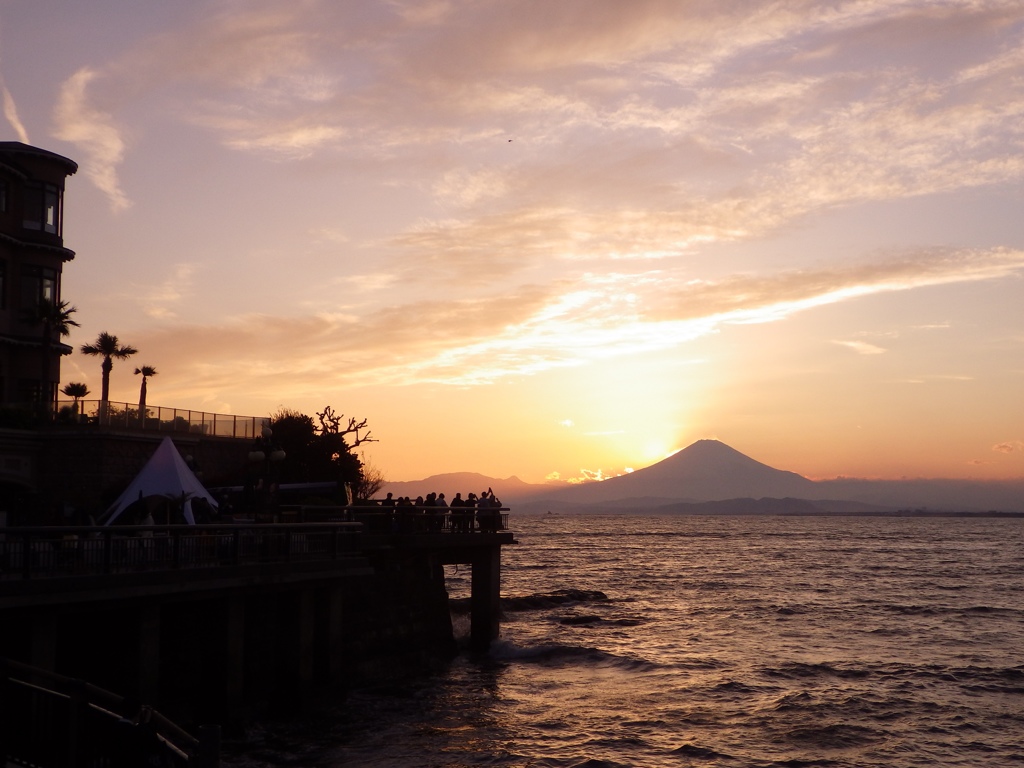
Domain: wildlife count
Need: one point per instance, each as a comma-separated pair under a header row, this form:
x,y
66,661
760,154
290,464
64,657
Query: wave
x,y
537,601
593,620
540,600
559,653
801,670
700,753
834,736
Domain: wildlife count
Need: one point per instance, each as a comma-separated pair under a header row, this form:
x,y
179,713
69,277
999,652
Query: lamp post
x,y
265,455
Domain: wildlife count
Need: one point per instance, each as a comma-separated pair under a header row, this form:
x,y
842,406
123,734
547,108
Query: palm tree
x,y
146,371
77,390
109,347
55,317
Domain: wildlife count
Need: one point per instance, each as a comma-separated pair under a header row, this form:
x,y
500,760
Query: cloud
x,y
1009,446
588,476
677,123
530,329
861,347
11,114
160,301
95,132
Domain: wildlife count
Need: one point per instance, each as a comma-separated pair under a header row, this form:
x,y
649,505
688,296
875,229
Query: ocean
x,y
712,641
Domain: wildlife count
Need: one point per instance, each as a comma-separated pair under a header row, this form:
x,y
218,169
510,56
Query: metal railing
x,y
157,419
424,519
398,519
48,720
32,553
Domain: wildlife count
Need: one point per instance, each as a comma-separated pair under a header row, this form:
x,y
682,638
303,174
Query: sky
x,y
555,240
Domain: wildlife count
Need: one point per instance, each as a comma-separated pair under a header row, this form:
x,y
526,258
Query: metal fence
x,y
411,519
32,553
157,419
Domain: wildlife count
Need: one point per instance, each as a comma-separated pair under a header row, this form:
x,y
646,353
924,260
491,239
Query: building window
x,y
42,208
29,391
38,284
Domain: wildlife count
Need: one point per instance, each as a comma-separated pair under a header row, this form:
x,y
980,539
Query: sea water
x,y
712,641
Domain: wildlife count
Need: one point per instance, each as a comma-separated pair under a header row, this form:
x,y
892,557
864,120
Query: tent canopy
x,y
165,475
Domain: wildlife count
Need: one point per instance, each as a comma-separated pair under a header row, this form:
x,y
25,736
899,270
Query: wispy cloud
x,y
1009,446
536,328
767,113
11,113
861,347
162,300
95,132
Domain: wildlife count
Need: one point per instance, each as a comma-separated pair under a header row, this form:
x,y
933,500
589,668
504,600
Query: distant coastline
x,y
660,512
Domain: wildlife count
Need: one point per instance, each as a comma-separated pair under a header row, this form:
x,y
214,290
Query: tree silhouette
x,y
109,347
77,390
314,454
146,371
55,318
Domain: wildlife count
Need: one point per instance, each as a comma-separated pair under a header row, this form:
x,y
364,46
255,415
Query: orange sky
x,y
552,239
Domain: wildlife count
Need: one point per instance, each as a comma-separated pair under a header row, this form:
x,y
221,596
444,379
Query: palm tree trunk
x,y
142,403
104,413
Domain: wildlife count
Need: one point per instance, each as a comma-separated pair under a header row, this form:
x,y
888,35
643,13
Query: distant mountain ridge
x,y
462,482
707,473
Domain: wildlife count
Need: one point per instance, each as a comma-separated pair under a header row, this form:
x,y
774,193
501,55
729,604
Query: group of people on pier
x,y
461,512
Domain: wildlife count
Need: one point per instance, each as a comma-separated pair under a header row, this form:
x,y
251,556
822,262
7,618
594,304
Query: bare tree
x,y
330,424
371,480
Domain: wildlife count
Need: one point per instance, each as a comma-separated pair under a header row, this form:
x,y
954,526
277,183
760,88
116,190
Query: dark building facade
x,y
32,257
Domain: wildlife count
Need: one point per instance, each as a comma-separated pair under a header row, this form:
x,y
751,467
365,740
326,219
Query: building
x,y
32,257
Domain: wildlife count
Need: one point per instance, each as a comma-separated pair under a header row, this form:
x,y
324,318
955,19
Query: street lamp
x,y
265,454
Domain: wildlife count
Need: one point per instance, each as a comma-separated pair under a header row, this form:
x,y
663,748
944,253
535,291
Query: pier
x,y
215,623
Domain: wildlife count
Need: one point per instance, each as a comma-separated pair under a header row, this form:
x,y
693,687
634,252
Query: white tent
x,y
165,475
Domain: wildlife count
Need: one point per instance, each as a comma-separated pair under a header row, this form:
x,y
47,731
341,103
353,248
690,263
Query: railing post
x,y
108,550
26,556
175,549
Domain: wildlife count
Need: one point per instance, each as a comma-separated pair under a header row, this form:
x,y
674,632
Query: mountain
x,y
707,470
449,484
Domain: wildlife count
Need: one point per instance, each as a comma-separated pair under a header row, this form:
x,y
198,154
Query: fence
x,y
31,553
157,419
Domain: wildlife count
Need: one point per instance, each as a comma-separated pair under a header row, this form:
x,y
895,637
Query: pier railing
x,y
51,721
406,519
31,553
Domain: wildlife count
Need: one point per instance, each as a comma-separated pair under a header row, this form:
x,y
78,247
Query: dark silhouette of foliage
x,y
77,390
146,371
55,319
312,454
108,347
